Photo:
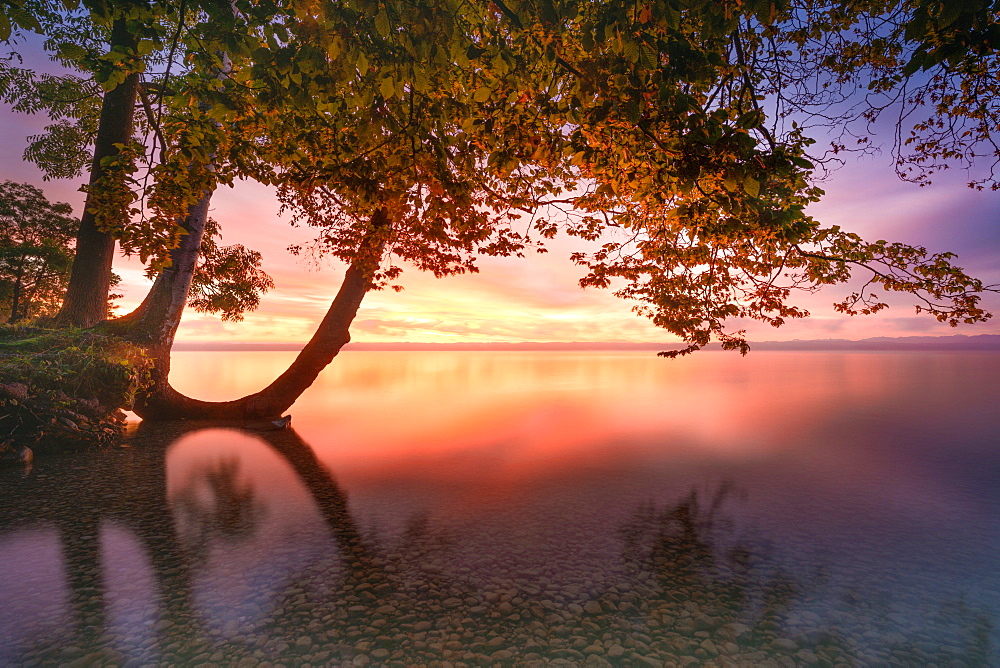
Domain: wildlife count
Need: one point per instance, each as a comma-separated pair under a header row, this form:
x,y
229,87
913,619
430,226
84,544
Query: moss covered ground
x,y
65,389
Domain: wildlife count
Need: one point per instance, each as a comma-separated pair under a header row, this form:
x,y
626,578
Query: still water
x,y
529,508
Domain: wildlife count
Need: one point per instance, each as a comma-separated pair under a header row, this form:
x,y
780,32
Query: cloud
x,y
867,198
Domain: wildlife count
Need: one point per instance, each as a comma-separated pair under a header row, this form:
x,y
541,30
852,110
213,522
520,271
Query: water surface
x,y
513,507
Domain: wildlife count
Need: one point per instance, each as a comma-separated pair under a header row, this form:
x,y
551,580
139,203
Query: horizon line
x,y
948,342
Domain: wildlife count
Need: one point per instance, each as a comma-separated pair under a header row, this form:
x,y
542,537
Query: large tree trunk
x,y
163,402
86,301
154,322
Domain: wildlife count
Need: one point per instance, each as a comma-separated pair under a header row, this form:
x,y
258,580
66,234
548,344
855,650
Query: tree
x,y
118,73
113,43
72,105
229,280
644,121
35,251
421,133
387,195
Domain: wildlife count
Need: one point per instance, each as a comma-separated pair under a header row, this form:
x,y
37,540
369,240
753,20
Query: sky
x,y
537,298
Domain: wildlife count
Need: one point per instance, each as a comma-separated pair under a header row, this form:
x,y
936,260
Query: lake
x,y
547,508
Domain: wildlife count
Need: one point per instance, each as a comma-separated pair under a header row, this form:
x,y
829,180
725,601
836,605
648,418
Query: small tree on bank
x,y
36,252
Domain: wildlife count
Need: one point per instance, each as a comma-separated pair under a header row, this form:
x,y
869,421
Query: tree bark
x,y
154,322
163,402
15,301
86,301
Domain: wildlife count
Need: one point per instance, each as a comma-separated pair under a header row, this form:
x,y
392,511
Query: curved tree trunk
x,y
163,402
86,301
154,322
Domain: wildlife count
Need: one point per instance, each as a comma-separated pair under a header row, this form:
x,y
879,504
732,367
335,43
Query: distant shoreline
x,y
981,342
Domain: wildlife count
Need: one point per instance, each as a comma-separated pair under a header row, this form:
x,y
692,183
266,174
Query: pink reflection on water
x,y
544,406
457,431
462,434
244,519
474,434
526,467
32,582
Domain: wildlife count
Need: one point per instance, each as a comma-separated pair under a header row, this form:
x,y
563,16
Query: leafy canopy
x,y
672,133
146,188
660,129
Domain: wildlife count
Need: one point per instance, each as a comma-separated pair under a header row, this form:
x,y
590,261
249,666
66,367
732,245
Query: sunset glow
x,y
576,333
537,298
532,408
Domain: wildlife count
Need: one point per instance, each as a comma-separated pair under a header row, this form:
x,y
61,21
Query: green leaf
x,y
673,17
751,119
482,94
387,88
647,57
631,50
420,80
382,23
71,51
915,63
24,19
335,47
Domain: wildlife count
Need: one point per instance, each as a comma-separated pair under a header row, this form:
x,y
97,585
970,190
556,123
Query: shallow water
x,y
593,508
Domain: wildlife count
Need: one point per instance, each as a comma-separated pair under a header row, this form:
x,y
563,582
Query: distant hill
x,y
916,343
956,342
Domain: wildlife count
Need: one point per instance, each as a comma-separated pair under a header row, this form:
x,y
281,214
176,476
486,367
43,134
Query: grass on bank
x,y
64,388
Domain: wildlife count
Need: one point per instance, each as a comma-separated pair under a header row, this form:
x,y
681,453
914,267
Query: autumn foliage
x,y
674,137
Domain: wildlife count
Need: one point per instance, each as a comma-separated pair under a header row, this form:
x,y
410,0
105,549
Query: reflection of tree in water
x,y
691,590
706,592
708,595
231,512
679,543
125,488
